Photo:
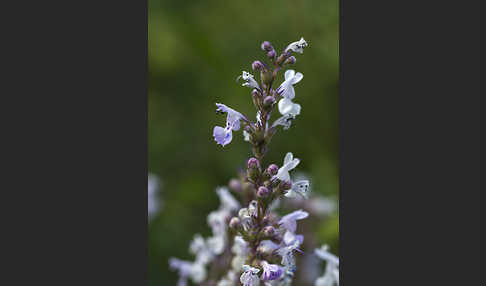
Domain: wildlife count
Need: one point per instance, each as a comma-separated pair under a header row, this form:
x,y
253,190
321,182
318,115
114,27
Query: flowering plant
x,y
253,245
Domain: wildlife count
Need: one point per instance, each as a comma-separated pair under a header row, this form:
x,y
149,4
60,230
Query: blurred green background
x,y
196,51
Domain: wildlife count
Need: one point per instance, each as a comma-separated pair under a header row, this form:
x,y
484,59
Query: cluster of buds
x,y
263,244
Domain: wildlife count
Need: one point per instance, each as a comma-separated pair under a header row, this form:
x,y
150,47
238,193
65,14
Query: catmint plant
x,y
251,244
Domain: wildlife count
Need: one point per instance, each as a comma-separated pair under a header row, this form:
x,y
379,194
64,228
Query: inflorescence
x,y
253,244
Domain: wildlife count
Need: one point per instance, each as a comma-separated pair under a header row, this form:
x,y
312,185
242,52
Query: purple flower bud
x,y
253,163
272,169
291,60
269,231
263,192
235,223
266,46
285,185
268,101
257,65
235,185
271,54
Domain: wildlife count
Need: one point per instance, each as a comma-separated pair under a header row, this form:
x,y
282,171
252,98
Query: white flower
x,y
331,274
285,121
289,164
217,221
289,222
287,255
216,244
186,269
245,214
240,246
249,276
228,280
249,80
287,91
298,46
198,273
299,188
228,202
237,262
290,238
324,254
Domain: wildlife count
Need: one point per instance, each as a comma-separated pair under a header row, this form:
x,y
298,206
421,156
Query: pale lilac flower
x,y
299,188
183,267
240,246
249,276
324,254
217,243
289,222
217,221
222,135
286,89
285,121
228,280
290,238
186,269
245,214
237,262
287,255
270,271
331,274
249,80
267,246
289,164
228,202
298,46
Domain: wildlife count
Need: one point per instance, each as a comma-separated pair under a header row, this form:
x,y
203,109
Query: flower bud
x,y
271,54
253,171
268,231
257,65
253,163
268,101
272,169
290,60
235,223
263,192
266,46
284,185
235,185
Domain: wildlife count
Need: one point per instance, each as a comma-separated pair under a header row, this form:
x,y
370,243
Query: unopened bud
x,y
272,169
271,54
285,185
268,101
253,171
266,46
235,185
269,231
290,60
263,192
257,65
253,163
235,223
